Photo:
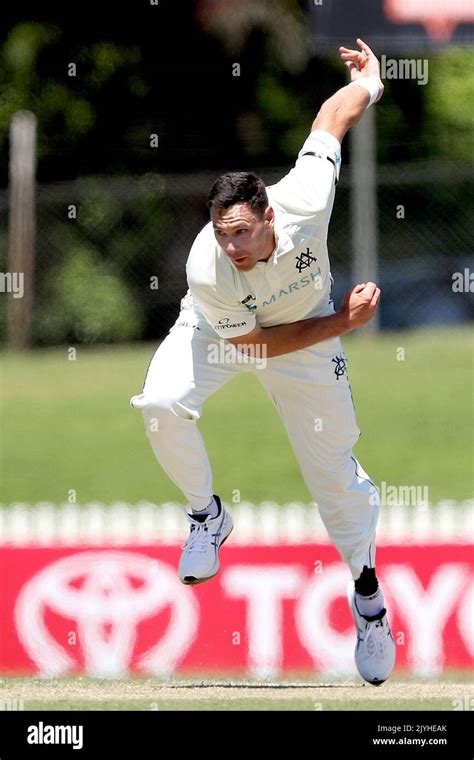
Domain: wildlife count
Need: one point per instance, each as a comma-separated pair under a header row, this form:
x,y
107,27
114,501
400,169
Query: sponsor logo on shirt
x,y
246,303
314,277
225,323
188,324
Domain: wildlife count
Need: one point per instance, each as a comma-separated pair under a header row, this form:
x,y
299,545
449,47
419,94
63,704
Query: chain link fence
x,y
111,251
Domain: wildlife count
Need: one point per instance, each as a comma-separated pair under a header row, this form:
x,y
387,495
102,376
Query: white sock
x,y
212,509
370,605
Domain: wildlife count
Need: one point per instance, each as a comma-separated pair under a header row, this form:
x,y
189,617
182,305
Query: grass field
x,y
67,424
151,694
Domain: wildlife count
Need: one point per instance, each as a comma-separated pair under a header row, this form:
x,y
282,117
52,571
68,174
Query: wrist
x,y
373,85
341,320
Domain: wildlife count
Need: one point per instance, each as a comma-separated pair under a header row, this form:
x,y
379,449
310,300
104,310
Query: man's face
x,y
245,237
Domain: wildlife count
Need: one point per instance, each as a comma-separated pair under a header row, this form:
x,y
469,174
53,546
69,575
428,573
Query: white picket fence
x,y
144,523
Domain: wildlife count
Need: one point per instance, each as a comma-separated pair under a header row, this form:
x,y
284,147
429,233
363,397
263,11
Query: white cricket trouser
x,y
314,403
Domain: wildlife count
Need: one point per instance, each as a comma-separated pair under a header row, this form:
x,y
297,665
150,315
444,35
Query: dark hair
x,y
238,187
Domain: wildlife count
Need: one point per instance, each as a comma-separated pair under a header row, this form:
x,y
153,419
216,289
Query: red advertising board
x,y
391,26
112,611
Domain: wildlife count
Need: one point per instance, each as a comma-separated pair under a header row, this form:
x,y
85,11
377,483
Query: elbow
x,y
253,345
336,118
250,352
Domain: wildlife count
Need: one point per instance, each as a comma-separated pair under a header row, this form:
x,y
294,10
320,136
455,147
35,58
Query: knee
x,y
332,482
165,410
338,470
338,484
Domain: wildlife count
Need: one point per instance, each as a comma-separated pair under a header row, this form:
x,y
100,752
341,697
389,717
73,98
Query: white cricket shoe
x,y
200,558
375,648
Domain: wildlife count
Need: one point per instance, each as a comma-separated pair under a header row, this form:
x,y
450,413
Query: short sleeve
x,y
308,189
229,319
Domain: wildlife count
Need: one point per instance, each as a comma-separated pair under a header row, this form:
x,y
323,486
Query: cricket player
x,y
259,285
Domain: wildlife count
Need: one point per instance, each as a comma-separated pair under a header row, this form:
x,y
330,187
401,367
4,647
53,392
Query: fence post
x,y
364,205
21,225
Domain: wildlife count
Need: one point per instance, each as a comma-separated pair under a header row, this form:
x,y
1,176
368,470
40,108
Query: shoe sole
x,y
190,580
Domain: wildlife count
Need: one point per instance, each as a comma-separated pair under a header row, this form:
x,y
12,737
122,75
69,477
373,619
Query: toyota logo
x,y
107,594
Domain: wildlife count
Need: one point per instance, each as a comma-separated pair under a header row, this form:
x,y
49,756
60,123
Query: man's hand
x,y
346,107
361,63
359,305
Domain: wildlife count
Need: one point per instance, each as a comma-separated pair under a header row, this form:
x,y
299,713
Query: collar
x,y
283,242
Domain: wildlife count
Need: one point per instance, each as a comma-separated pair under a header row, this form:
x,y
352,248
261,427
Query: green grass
x,y
67,424
307,693
242,704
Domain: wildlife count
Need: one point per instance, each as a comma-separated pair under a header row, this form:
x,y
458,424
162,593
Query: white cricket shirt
x,y
295,282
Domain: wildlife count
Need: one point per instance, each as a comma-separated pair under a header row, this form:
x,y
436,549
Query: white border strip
x,y
144,523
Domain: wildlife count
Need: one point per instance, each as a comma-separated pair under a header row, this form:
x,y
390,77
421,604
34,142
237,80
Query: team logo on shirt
x,y
341,366
305,259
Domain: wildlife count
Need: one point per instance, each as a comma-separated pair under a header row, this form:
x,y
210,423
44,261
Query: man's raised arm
x,y
346,107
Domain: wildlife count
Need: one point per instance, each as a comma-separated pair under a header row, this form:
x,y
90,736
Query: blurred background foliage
x,y
128,90
167,70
